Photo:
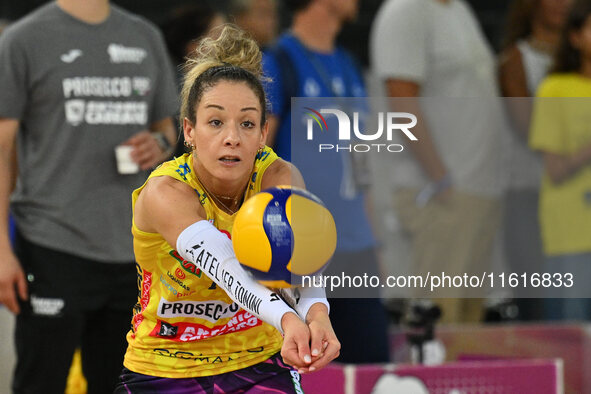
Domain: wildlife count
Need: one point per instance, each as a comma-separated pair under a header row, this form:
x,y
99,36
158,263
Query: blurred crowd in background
x,y
354,36
460,49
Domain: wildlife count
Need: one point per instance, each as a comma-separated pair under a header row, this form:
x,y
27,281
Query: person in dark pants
x,y
73,302
79,78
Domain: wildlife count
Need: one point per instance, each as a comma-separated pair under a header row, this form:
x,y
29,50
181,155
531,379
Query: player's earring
x,y
260,150
190,146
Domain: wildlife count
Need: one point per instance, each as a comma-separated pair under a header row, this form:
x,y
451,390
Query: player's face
x,y
228,132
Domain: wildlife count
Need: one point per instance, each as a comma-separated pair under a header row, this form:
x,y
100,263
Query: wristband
x,y
303,298
431,190
162,141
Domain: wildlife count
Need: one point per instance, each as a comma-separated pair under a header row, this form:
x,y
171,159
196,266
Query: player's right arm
x,y
12,277
172,209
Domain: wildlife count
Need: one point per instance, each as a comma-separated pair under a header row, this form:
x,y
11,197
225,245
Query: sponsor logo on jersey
x,y
184,294
200,357
183,170
99,86
179,273
141,85
145,287
74,111
187,332
210,310
202,197
188,266
106,112
167,330
168,286
176,354
46,306
72,55
122,54
262,156
177,280
83,100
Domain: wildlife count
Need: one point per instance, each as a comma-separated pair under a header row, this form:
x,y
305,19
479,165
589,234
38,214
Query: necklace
x,y
217,200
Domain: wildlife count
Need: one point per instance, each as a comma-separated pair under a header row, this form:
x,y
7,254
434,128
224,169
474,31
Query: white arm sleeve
x,y
302,298
212,252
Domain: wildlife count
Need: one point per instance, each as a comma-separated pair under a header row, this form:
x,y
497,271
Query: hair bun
x,y
232,46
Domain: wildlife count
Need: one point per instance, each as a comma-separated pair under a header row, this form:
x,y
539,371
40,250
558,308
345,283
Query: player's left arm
x,y
310,303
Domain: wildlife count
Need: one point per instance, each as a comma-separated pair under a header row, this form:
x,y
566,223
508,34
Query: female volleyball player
x,y
200,322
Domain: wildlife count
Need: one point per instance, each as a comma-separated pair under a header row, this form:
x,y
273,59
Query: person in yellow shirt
x,y
561,130
201,323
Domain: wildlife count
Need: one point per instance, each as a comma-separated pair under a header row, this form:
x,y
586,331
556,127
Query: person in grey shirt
x,y
78,78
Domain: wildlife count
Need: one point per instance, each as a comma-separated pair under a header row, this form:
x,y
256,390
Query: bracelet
x,y
432,189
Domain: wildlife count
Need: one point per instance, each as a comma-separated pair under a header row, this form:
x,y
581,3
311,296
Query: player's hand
x,y
12,280
324,343
296,342
146,153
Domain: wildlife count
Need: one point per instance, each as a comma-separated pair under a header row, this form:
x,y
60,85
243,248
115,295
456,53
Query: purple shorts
x,y
270,376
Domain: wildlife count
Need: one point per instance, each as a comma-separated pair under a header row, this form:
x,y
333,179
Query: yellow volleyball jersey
x,y
184,325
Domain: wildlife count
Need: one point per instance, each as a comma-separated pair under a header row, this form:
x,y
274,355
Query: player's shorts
x,y
270,376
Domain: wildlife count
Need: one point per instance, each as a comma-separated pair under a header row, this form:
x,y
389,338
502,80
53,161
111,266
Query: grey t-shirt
x,y
441,47
79,90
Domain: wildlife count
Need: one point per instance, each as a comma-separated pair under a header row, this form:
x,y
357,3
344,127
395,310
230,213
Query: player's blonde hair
x,y
232,56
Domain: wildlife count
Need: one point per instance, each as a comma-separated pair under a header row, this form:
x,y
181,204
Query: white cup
x,y
125,164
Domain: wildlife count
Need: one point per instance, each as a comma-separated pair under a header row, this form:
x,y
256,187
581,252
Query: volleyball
x,y
282,234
